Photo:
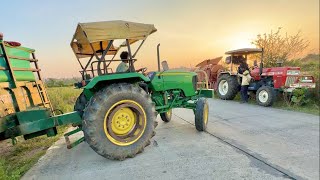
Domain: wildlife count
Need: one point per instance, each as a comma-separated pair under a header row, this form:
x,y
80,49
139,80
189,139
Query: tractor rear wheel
x,y
228,87
166,117
119,121
201,114
265,96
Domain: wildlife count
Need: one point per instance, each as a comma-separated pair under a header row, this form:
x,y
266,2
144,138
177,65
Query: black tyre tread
x,y
271,94
232,84
165,117
80,104
90,129
199,121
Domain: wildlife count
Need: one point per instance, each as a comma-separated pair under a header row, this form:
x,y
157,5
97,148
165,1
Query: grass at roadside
x,y
63,98
311,107
17,160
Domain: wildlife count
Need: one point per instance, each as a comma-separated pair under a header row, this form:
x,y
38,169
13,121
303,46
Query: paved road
x,y
286,140
242,142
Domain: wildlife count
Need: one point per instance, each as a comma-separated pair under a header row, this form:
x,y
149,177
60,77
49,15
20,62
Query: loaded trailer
x,y
25,106
117,110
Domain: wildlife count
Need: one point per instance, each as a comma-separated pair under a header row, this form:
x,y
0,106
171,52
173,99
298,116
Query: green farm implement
x,y
117,109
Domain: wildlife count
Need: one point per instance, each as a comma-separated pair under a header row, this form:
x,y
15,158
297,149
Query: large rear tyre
x,y
166,117
119,121
228,87
201,114
265,96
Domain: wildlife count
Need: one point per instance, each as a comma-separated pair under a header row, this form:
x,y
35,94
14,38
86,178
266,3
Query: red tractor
x,y
265,83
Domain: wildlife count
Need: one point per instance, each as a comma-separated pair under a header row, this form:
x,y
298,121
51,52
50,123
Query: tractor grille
x,y
291,80
194,82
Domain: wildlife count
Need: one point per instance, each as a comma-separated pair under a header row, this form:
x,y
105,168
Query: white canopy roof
x,y
98,34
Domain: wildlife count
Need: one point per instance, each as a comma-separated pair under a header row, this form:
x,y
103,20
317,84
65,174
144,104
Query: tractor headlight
x,y
293,72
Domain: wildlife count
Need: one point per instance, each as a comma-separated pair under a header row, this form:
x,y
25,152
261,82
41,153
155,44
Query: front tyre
x,y
201,114
118,121
166,117
265,96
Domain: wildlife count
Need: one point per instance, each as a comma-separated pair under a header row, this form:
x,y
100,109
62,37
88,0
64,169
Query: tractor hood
x,y
277,71
176,72
174,79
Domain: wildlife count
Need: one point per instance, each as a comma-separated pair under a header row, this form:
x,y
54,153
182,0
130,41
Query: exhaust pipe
x,y
158,55
261,64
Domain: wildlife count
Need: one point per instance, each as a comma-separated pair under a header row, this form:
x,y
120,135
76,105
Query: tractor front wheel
x,y
201,114
166,117
119,121
265,96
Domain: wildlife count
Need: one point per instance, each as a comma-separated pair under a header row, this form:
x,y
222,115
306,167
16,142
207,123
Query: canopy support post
x,y
130,56
134,55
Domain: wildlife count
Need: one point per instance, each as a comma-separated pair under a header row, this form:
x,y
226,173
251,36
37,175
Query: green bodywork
x,y
33,123
168,89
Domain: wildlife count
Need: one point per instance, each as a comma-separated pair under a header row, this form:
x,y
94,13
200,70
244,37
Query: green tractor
x,y
117,110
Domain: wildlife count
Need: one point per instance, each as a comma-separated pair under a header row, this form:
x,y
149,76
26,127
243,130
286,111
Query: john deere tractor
x,y
117,110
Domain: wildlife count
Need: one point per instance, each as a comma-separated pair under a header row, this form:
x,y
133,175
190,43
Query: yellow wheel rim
x,y
205,113
125,122
169,113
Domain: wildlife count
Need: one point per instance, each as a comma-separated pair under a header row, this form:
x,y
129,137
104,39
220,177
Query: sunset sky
x,y
189,31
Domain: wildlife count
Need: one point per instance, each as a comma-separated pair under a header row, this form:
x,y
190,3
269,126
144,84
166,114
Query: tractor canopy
x,y
96,45
95,36
244,51
240,55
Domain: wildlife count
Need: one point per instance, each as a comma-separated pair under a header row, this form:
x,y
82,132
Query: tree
x,y
279,48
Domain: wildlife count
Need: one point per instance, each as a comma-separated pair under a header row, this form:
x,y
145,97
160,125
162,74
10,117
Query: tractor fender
x,y
220,73
225,72
116,78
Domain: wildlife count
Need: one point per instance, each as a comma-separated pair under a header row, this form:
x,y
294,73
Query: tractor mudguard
x,y
119,77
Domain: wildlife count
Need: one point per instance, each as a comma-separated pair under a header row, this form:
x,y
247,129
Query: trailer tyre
x,y
227,87
201,114
166,117
119,121
265,96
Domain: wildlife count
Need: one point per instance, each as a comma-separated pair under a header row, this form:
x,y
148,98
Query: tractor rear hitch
x,y
68,142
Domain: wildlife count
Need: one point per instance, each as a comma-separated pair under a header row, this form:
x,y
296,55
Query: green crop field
x,y
18,159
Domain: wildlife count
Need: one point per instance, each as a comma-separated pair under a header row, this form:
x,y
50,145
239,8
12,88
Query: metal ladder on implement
x,y
40,87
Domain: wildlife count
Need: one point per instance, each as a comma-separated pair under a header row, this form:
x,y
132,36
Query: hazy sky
x,y
189,31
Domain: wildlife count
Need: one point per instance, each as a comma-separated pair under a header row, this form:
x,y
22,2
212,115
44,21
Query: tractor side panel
x,y
186,81
157,83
